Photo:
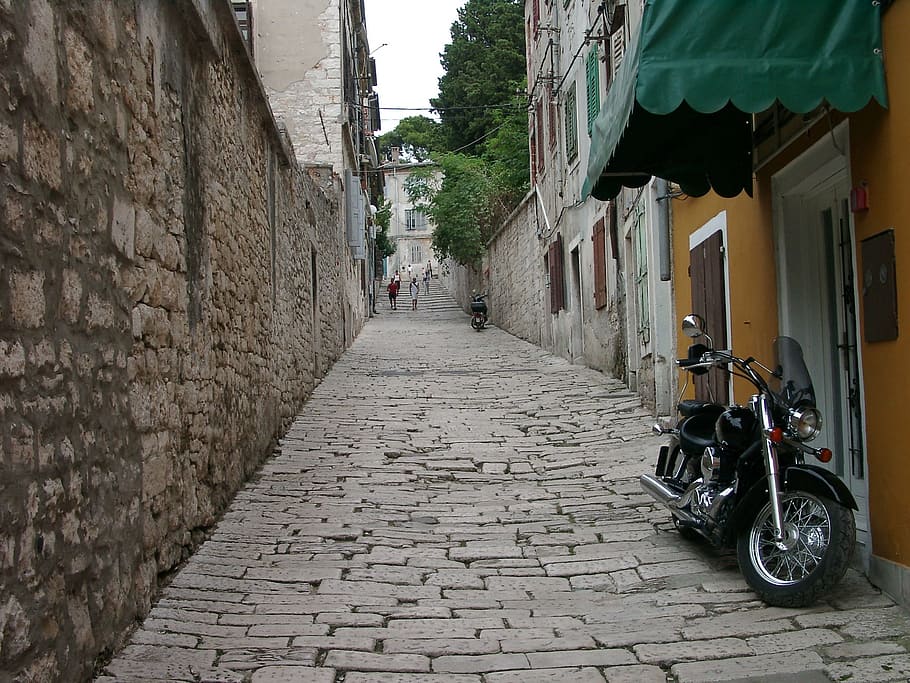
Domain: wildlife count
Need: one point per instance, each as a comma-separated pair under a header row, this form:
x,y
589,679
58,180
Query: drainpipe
x,y
662,191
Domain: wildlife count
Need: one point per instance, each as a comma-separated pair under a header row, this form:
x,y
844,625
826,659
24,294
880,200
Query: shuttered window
x,y
571,119
600,264
557,276
539,130
592,80
617,47
554,132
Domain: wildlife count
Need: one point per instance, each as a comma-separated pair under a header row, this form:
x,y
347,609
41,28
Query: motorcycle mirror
x,y
693,326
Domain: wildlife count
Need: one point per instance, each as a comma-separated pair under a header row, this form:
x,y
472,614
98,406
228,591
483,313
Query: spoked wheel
x,y
819,536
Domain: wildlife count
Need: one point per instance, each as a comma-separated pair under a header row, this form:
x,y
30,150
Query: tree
x,y
416,136
483,64
384,246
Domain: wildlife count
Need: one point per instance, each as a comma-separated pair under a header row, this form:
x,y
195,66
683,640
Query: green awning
x,y
680,106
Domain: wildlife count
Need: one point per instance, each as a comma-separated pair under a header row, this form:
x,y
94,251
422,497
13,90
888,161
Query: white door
x,y
818,308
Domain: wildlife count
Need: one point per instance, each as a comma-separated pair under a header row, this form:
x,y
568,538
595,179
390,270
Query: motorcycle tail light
x,y
776,435
824,455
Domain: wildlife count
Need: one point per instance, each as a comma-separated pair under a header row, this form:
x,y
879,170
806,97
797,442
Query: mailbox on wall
x,y
879,287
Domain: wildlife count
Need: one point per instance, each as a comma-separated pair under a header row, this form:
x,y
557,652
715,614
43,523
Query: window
x,y
617,48
592,81
416,253
415,219
538,130
557,276
571,118
600,264
552,112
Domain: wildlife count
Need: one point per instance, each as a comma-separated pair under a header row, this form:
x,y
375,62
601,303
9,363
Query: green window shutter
x,y
571,119
592,77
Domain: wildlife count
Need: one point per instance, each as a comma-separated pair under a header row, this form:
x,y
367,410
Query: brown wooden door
x,y
709,300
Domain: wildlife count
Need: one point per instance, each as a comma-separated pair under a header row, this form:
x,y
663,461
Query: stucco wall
x,y
157,329
299,54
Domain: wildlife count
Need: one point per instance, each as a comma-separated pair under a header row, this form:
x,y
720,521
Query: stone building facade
x,y
172,286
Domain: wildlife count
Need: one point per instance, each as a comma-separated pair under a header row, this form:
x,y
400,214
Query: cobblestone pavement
x,y
462,506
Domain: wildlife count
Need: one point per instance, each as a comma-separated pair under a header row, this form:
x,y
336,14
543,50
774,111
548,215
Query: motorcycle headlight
x,y
805,423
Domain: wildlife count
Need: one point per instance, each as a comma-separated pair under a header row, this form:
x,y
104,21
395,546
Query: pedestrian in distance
x,y
430,268
426,283
415,290
393,294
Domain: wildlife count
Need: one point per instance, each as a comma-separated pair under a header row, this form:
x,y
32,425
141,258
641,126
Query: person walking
x,y
393,294
430,268
415,290
426,282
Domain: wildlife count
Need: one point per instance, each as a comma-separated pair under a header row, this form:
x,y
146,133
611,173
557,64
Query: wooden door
x,y
709,300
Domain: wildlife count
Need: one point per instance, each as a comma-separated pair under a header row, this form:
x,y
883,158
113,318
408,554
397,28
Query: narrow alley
x,y
463,506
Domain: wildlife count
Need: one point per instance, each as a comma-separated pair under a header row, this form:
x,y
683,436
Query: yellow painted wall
x,y
880,156
750,254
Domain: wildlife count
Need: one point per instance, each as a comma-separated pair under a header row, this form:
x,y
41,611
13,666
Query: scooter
x,y
737,476
478,311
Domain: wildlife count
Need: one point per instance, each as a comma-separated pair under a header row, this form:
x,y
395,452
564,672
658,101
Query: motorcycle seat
x,y
690,407
696,433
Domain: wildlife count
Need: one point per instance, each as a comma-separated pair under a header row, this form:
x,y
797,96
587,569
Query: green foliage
x,y
384,246
416,136
482,64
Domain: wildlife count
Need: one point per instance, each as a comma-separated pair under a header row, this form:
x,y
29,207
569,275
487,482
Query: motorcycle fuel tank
x,y
735,428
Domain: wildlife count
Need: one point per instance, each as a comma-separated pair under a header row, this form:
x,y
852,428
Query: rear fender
x,y
809,478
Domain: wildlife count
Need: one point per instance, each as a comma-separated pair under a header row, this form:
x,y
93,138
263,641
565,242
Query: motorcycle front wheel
x,y
819,538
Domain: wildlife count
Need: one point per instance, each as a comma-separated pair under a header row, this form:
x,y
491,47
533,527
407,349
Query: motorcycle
x,y
478,311
737,476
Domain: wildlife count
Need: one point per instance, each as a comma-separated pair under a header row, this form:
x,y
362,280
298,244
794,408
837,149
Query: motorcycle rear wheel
x,y
477,322
821,536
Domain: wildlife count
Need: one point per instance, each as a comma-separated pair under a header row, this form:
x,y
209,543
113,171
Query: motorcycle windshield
x,y
795,387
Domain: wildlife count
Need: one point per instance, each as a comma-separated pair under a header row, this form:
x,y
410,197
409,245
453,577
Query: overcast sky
x,y
408,67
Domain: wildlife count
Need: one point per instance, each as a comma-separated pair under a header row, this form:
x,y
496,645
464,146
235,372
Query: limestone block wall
x,y
519,298
172,286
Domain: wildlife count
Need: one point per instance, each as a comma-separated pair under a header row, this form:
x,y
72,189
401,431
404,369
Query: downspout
x,y
662,191
543,210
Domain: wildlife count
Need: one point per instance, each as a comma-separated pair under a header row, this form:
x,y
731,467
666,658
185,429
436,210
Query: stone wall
x,y
172,286
516,279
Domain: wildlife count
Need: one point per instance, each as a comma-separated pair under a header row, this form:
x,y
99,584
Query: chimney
x,y
396,153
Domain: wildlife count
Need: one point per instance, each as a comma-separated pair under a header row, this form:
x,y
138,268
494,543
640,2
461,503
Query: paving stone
x,y
748,667
793,640
358,677
436,647
479,663
692,650
885,668
576,675
345,660
292,674
558,658
635,674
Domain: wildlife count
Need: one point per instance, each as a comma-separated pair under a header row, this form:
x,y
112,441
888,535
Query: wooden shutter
x,y
539,128
552,112
571,119
600,264
617,48
709,300
557,276
592,82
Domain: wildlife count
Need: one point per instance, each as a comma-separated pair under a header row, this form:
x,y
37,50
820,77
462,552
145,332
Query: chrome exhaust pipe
x,y
665,495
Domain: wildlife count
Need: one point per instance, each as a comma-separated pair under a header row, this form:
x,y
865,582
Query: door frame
x,y
824,164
